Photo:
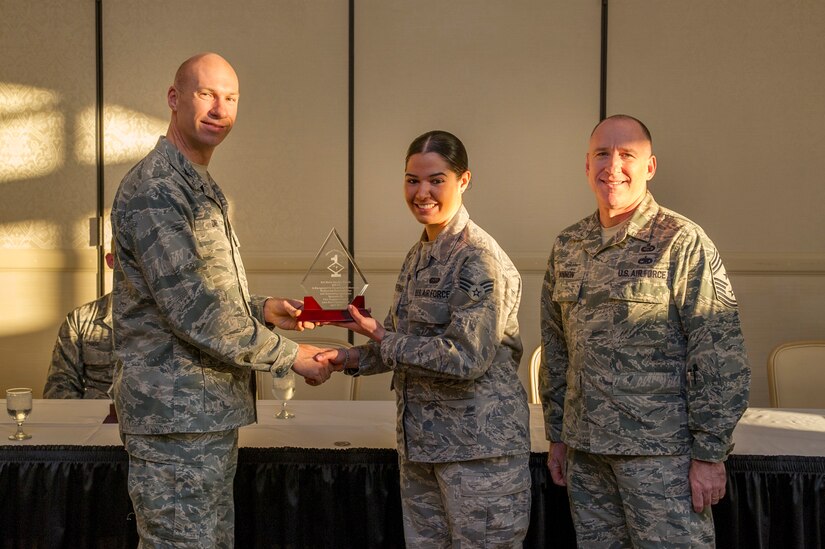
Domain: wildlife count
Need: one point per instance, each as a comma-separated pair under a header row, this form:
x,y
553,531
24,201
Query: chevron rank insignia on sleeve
x,y
476,290
721,282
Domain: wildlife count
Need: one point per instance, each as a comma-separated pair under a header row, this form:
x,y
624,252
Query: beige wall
x,y
47,184
728,90
511,81
287,157
730,100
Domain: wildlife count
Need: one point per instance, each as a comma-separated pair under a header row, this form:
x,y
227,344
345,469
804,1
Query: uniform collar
x,y
446,240
182,165
104,312
639,226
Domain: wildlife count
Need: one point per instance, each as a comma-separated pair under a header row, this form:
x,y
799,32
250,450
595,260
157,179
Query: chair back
x,y
338,387
374,387
535,364
796,375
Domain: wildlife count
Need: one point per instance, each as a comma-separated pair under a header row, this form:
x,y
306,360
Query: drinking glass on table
x,y
19,405
283,388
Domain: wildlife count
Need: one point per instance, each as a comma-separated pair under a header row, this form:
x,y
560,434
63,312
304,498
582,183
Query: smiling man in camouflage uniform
x,y
188,336
644,373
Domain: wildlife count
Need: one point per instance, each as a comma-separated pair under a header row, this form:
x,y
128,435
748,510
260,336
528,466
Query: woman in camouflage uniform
x,y
452,342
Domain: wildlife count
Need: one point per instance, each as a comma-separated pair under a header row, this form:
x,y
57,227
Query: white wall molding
x,y
781,264
742,263
786,264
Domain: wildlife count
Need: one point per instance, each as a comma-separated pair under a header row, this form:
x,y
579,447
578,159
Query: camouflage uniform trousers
x,y
466,504
181,487
634,501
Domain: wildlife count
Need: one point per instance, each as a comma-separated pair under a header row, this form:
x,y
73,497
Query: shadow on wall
x,y
33,133
46,266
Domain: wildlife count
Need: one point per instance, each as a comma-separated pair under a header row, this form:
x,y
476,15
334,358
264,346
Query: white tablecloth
x,y
371,424
780,432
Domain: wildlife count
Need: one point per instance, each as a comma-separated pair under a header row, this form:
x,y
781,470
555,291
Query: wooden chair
x,y
535,364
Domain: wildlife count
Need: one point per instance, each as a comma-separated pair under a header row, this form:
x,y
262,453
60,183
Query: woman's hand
x,y
364,325
338,359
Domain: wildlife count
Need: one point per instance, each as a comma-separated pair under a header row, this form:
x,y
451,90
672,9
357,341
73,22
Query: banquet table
x,y
329,478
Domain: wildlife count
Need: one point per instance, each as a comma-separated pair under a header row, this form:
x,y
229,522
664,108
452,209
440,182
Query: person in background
x,y
452,341
188,335
82,360
644,373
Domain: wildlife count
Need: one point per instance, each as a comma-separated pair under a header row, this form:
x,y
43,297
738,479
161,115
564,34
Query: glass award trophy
x,y
330,281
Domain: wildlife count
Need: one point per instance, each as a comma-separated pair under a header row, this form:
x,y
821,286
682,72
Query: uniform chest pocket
x,y
207,215
97,356
209,228
428,316
640,318
647,383
567,290
431,389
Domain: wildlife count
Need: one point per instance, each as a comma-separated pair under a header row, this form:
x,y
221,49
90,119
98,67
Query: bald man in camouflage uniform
x,y
644,373
188,336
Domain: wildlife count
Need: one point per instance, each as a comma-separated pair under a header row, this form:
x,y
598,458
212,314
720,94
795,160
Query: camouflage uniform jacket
x,y
82,360
187,333
642,349
453,345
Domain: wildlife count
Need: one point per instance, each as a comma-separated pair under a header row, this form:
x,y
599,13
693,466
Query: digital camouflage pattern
x,y
83,359
187,333
633,501
477,503
642,349
453,345
182,485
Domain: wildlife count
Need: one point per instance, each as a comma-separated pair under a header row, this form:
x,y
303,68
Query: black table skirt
x,y
75,497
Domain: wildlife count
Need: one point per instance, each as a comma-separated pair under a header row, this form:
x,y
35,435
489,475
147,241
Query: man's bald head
x,y
204,103
190,67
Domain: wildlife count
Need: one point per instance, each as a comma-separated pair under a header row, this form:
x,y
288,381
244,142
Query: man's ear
x,y
172,98
651,167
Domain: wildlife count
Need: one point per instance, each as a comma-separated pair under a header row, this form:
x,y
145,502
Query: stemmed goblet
x,y
19,405
283,388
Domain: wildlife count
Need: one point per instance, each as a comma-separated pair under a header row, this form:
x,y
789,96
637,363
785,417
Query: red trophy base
x,y
312,312
112,417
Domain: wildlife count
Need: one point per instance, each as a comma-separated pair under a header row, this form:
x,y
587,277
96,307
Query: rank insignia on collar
x,y
476,290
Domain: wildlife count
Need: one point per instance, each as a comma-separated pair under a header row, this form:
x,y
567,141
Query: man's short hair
x,y
641,124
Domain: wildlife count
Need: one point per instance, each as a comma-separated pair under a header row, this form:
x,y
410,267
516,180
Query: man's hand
x,y
557,462
311,365
707,483
284,313
340,358
364,325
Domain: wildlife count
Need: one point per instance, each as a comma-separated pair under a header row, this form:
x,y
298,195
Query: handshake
x,y
316,364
